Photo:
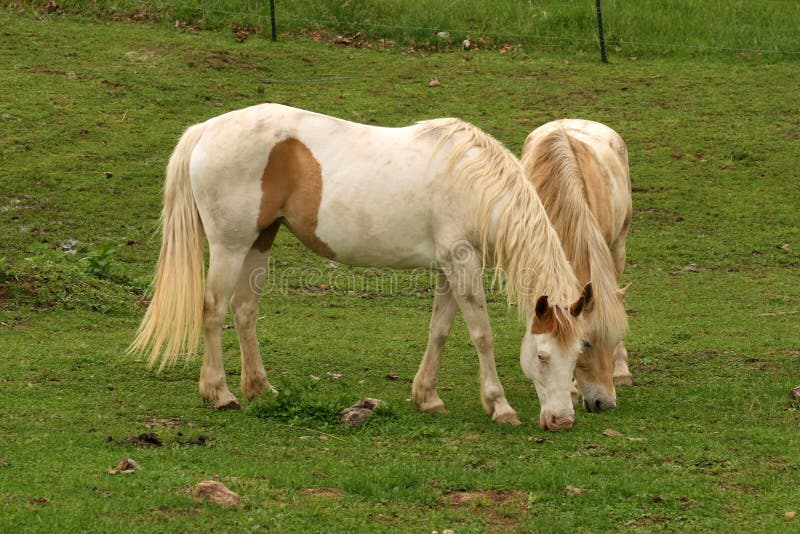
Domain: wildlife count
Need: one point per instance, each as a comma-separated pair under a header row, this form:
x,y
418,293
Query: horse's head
x,y
594,371
548,356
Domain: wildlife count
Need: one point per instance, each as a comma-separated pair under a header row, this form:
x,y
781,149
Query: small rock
x,y
215,492
794,395
125,466
69,246
358,413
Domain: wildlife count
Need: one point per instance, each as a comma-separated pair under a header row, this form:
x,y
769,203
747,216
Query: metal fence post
x,y
603,56
272,18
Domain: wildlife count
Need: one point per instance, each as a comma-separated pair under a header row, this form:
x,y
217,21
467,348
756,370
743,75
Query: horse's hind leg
x,y
245,311
423,391
223,271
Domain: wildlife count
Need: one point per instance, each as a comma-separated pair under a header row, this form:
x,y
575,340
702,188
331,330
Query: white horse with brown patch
x,y
580,169
438,193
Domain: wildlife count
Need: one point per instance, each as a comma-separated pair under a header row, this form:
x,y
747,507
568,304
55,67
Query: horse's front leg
x,y
465,275
423,391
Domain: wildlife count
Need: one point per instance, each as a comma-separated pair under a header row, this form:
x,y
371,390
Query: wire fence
x,y
645,27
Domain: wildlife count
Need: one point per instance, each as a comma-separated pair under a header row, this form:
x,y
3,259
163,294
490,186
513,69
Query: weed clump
x,y
303,404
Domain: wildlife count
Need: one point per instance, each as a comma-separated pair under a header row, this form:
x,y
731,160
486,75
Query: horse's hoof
x,y
507,419
625,380
230,405
432,407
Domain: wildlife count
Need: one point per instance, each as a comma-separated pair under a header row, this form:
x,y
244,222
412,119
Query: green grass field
x,y
91,109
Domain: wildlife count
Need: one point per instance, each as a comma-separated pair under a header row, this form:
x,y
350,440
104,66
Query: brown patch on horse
x,y
545,320
291,188
558,320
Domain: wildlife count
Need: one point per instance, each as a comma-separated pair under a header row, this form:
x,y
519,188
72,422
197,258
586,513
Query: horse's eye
x,y
587,344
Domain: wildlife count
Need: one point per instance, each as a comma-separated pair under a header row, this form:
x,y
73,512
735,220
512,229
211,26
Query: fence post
x,y
603,56
272,18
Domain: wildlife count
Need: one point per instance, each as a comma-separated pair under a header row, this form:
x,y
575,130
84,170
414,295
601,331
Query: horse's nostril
x,y
598,406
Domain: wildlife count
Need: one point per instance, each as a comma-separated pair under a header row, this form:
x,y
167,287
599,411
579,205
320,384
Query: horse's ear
x,y
624,291
541,306
583,301
543,322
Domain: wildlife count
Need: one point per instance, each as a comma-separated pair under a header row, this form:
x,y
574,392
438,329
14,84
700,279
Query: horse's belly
x,y
377,230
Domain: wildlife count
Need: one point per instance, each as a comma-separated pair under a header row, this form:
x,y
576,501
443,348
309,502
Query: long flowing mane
x,y
563,161
514,229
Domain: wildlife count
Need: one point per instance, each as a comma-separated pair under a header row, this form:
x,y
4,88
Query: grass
x,y
91,111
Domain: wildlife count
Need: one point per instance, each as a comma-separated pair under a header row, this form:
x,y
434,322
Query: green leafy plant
x,y
100,261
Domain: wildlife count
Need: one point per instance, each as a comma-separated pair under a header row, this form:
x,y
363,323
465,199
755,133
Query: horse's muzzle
x,y
553,423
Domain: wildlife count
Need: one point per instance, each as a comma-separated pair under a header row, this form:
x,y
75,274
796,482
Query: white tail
x,y
173,321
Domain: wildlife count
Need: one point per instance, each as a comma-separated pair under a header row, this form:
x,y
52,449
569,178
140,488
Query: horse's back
x,y
358,193
602,157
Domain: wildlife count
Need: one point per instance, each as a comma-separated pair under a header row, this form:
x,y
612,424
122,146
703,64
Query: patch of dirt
x,y
500,508
157,422
200,440
45,70
190,512
147,439
322,491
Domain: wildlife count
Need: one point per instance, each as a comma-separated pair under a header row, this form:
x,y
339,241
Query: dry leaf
x,y
391,376
433,82
790,515
611,433
215,492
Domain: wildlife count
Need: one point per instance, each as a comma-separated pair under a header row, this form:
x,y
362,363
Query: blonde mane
x,y
514,229
558,157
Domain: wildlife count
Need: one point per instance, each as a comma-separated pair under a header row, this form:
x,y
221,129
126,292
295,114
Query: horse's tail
x,y
558,163
172,324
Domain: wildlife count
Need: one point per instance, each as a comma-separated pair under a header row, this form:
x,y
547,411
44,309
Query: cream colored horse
x,y
580,169
440,193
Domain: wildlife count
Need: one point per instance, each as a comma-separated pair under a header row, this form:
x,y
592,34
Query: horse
x,y
439,193
580,169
